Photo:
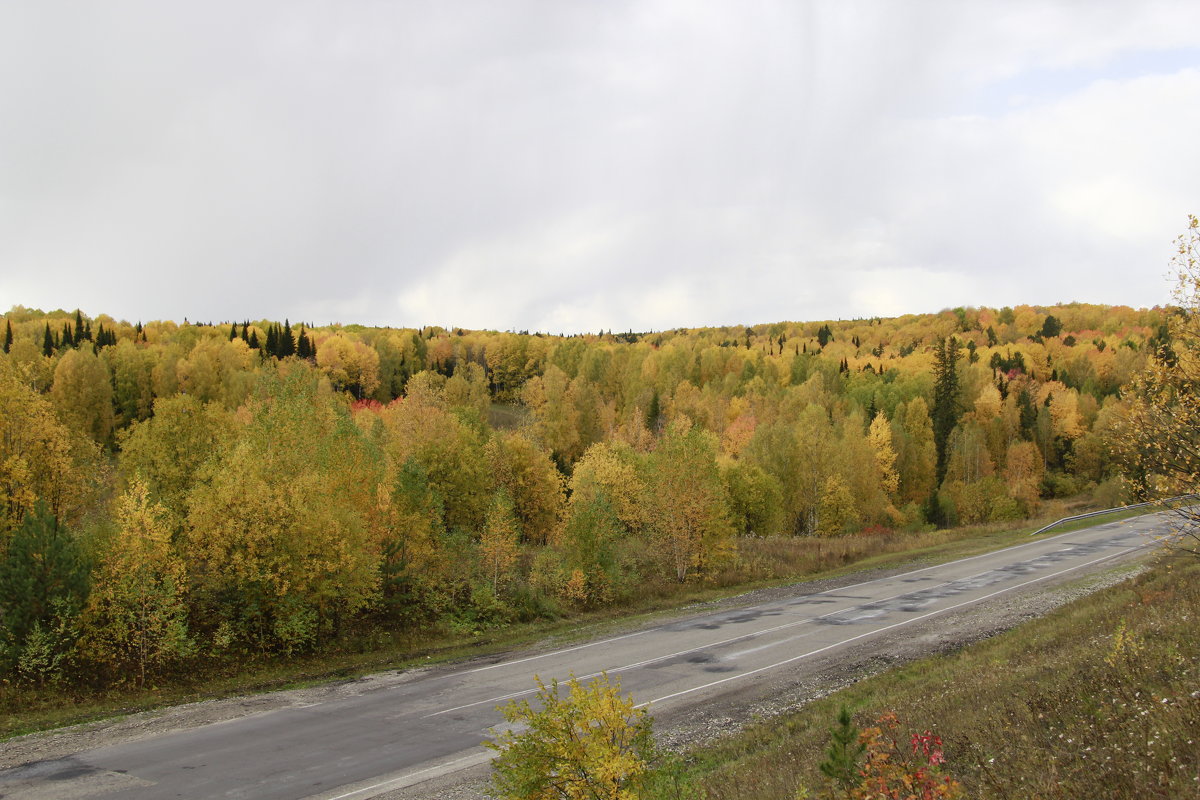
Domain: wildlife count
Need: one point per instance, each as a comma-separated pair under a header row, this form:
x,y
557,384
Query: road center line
x,y
1130,522
731,640
885,628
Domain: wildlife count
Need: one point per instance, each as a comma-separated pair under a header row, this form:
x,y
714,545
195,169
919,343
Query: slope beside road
x,y
422,728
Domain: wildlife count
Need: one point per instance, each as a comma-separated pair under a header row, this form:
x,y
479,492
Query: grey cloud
x,y
534,164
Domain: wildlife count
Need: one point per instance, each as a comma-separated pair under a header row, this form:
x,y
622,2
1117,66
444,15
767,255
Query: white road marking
x,y
880,630
527,659
868,613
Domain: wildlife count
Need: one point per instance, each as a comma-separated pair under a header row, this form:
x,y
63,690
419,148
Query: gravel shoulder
x,y
766,696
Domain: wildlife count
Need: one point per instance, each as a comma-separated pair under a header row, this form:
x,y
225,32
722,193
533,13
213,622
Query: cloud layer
x,y
578,166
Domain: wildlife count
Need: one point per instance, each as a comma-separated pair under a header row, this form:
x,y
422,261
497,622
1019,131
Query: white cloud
x,y
582,166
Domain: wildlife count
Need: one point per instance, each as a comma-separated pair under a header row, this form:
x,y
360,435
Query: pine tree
x,y
8,338
272,348
48,342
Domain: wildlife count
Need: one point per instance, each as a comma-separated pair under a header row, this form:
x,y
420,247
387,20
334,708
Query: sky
x,y
579,165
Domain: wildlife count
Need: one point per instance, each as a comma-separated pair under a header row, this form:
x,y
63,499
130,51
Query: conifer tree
x,y
68,339
272,348
233,331
78,322
48,342
945,398
8,337
304,347
246,331
287,344
43,576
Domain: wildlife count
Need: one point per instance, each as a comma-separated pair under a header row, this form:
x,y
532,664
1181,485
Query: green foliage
x,y
946,407
844,753
44,580
592,744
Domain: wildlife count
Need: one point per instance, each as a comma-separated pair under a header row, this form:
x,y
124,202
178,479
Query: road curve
x,y
432,724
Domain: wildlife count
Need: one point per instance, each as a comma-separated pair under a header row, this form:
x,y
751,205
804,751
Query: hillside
x,y
271,489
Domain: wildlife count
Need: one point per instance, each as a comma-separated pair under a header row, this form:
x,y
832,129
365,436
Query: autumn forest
x,y
174,497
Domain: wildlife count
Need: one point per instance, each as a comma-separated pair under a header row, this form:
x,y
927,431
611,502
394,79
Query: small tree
x,y
136,617
592,744
43,585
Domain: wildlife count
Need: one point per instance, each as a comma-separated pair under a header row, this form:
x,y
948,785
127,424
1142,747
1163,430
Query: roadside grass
x,y
1100,698
762,563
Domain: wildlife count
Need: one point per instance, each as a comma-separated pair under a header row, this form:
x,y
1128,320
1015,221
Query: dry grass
x,y
761,562
1099,699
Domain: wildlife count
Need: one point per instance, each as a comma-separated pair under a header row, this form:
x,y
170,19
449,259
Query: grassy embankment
x,y
1101,698
761,562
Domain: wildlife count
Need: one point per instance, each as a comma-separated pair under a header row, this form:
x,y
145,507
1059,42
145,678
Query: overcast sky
x,y
573,166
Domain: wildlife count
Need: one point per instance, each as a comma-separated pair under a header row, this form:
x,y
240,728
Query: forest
x,y
174,496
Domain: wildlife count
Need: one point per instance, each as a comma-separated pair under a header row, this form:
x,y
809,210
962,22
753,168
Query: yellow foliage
x,y
592,744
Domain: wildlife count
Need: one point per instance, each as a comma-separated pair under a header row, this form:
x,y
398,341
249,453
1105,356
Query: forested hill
x,y
275,482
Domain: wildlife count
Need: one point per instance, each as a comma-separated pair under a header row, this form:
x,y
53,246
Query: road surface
x,y
432,723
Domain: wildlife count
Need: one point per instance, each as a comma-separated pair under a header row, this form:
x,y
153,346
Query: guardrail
x,y
1165,502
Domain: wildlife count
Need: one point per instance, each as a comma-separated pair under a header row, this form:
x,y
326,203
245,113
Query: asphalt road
x,y
433,723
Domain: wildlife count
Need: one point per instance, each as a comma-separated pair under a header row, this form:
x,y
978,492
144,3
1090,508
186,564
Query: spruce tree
x,y
78,322
287,343
48,342
272,347
68,340
246,331
945,399
254,345
232,331
43,575
8,340
303,345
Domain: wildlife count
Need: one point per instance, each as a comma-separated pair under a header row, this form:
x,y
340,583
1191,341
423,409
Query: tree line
x,y
175,495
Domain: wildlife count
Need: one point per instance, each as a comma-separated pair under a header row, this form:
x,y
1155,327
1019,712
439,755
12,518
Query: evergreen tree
x,y
232,331
43,579
272,348
1028,414
48,342
8,338
653,412
287,344
246,331
254,345
945,399
1051,327
79,323
304,347
68,339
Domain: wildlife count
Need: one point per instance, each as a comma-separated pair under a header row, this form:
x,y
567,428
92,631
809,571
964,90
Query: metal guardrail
x,y
1165,502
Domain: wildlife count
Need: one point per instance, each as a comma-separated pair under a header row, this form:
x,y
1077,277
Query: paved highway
x,y
432,724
